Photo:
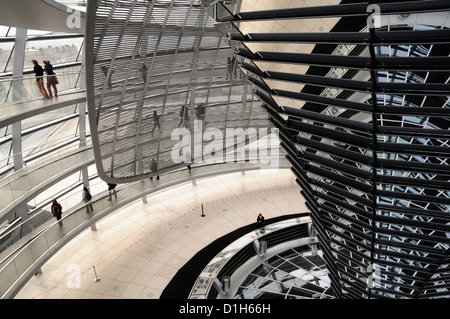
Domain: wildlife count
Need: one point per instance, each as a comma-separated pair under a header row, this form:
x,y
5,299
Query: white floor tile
x,y
138,249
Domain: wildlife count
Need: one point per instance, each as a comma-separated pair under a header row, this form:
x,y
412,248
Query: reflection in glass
x,y
296,273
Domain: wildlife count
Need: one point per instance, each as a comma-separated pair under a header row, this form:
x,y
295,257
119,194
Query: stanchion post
x,y
95,273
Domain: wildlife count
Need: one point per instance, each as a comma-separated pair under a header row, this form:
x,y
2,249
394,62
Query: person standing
x,y
155,121
143,69
229,69
87,199
153,168
51,78
260,220
57,211
111,190
39,73
184,117
200,111
188,161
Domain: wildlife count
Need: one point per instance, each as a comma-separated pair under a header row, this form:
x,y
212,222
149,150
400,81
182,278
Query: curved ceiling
x,y
186,64
45,15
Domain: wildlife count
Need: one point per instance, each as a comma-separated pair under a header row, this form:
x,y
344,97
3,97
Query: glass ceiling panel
x,y
151,75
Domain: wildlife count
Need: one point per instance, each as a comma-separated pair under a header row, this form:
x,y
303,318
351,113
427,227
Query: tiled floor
x,y
138,249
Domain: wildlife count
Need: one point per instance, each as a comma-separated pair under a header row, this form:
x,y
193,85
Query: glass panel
x,y
49,136
48,116
6,53
5,152
57,51
287,280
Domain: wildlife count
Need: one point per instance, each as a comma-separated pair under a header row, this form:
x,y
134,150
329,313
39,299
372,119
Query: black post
x,y
203,214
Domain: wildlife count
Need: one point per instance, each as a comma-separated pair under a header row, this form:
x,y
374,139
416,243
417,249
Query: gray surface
x,y
45,15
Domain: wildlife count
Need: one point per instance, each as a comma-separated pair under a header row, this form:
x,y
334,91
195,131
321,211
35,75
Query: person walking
x,y
105,69
39,73
233,65
181,114
112,190
155,121
184,117
143,69
51,78
57,211
87,199
153,168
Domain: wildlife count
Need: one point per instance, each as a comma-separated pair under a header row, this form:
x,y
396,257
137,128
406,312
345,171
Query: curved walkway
x,y
26,183
12,113
138,249
23,262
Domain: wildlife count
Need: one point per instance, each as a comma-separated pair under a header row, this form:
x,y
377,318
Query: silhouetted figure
x,y
112,190
143,69
153,168
200,111
51,79
57,211
87,199
229,68
155,121
184,116
105,69
260,220
39,73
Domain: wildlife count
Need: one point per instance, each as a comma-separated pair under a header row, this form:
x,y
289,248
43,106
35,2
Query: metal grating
x,y
364,119
186,61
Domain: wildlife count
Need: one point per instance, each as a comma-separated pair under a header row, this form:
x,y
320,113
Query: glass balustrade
x,y
45,241
18,186
23,89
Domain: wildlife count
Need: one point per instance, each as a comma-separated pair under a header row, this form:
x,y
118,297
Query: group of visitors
x,y
184,114
104,69
52,80
56,207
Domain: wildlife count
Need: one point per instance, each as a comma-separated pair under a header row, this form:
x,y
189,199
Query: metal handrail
x,y
208,277
22,264
23,88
